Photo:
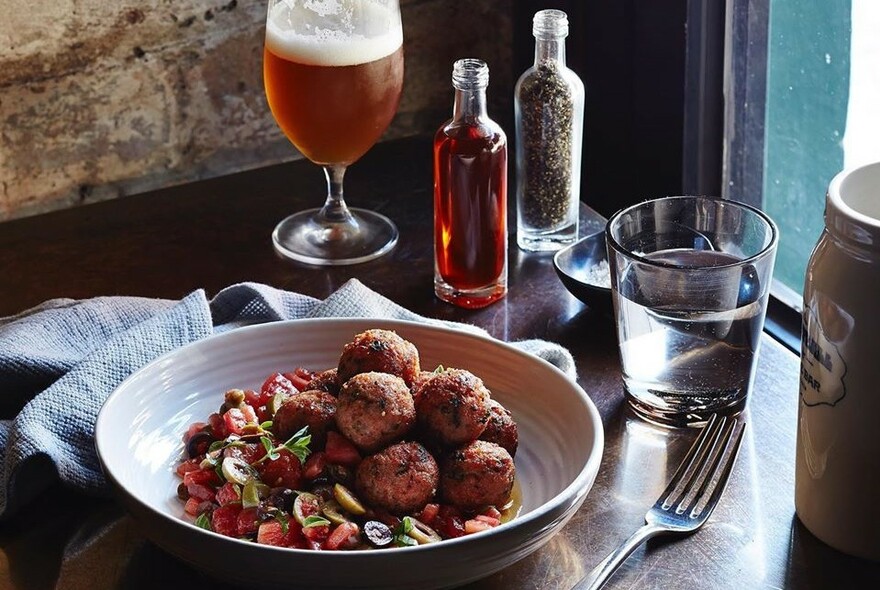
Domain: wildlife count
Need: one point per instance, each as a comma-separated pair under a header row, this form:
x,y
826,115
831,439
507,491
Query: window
x,y
803,103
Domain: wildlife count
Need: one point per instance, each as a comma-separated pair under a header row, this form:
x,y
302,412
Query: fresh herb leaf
x,y
216,446
401,533
439,369
298,444
203,522
271,451
314,520
406,541
266,425
282,518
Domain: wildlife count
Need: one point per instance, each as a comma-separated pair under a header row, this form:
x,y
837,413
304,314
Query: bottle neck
x,y
552,49
469,104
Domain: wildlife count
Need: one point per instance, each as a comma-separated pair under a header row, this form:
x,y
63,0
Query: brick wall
x,y
99,100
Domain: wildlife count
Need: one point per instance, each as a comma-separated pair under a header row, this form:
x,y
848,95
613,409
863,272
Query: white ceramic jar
x,y
837,489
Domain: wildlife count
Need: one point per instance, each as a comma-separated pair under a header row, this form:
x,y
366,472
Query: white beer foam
x,y
297,31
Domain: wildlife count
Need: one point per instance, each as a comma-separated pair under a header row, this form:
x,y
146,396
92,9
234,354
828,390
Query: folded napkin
x,y
59,362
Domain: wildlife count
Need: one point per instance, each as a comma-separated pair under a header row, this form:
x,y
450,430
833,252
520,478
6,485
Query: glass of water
x,y
690,278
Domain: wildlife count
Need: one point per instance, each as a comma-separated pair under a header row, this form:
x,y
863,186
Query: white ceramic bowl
x,y
139,429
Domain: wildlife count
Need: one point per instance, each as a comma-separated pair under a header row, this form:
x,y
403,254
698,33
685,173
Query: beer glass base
x,y
305,238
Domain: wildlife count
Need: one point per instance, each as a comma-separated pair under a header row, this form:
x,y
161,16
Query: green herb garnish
x,y
282,518
314,520
203,522
298,444
401,533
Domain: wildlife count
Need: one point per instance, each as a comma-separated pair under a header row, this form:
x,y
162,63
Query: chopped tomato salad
x,y
308,461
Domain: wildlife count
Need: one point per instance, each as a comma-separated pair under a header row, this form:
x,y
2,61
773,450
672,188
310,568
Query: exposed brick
x,y
99,100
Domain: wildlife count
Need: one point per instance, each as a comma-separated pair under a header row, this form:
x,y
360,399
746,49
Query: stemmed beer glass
x,y
333,72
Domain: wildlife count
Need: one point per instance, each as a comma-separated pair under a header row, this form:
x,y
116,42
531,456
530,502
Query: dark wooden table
x,y
217,232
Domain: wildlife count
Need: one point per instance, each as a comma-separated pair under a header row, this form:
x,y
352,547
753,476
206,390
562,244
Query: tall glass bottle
x,y
470,196
549,112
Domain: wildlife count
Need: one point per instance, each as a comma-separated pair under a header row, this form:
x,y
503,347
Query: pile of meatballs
x,y
425,436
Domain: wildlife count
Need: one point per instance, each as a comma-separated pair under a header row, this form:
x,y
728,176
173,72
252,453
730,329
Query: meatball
x,y
501,429
374,410
382,351
422,378
478,475
326,381
452,407
312,408
401,479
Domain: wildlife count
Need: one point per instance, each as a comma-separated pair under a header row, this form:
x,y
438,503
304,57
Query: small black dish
x,y
574,266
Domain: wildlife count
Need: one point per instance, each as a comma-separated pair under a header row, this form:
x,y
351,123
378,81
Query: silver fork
x,y
690,497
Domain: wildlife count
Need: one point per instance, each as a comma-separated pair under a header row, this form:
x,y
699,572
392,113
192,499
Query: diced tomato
x,y
300,378
248,521
493,512
314,466
202,476
490,520
271,532
200,492
284,471
429,514
193,428
235,420
188,465
218,426
343,536
341,451
224,520
450,527
263,413
316,536
274,384
194,506
473,525
228,493
248,452
250,415
253,398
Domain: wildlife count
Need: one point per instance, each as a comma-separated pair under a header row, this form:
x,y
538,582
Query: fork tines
x,y
703,473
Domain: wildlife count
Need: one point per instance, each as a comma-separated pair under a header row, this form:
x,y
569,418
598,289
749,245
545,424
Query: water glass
x,y
690,279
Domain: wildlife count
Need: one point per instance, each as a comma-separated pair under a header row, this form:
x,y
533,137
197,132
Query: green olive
x,y
348,500
236,470
276,402
304,506
252,493
333,511
423,533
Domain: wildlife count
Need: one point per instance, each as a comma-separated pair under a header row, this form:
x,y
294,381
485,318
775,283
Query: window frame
x,y
746,35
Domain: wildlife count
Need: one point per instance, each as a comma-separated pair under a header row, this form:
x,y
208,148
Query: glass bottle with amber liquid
x,y
470,196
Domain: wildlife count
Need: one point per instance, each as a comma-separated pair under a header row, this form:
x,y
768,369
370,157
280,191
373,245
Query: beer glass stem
x,y
335,209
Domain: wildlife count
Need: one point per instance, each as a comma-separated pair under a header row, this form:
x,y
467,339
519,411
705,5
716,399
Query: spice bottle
x,y
470,196
549,111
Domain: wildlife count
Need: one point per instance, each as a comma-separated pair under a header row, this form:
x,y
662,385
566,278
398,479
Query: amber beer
x,y
332,97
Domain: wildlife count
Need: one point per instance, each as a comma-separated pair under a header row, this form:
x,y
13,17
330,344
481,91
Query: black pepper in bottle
x,y
470,196
549,115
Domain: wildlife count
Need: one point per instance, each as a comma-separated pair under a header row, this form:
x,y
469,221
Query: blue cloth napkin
x,y
59,362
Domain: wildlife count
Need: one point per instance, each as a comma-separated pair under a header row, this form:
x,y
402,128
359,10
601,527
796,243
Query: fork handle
x,y
600,574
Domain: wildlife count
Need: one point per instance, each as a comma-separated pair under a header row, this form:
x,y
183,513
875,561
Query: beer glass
x,y
333,72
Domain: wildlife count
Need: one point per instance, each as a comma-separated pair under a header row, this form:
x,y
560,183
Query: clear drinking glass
x,y
333,73
690,280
